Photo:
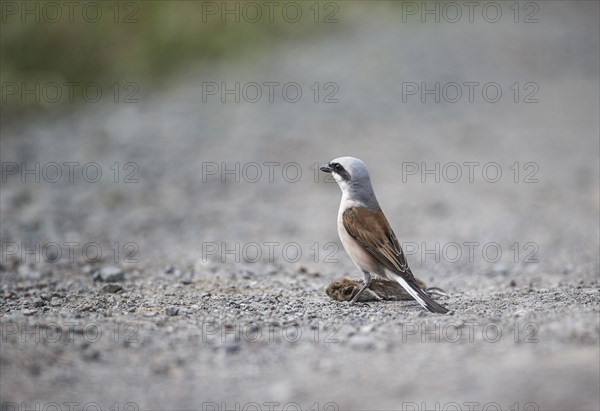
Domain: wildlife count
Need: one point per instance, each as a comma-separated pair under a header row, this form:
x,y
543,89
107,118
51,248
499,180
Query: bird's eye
x,y
348,291
336,166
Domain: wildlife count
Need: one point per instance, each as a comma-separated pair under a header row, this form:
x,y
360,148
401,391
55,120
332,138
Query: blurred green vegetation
x,y
131,41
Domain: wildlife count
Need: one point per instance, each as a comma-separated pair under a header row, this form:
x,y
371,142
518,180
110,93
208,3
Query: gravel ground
x,y
215,299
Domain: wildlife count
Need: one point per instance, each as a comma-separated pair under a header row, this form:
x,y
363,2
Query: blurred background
x,y
151,87
189,125
149,42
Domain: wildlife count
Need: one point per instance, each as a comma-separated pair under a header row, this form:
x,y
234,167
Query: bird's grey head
x,y
353,178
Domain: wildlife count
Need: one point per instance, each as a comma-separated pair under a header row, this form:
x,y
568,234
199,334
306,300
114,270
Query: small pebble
x,y
231,347
111,274
172,310
111,288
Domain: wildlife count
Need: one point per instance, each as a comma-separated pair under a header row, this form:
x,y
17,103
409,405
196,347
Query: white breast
x,y
361,258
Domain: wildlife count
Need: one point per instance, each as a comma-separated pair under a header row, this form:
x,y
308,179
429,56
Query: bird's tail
x,y
421,296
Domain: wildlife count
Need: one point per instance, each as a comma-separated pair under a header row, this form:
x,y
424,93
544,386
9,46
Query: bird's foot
x,y
436,291
353,303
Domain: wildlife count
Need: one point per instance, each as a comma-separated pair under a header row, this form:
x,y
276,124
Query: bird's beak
x,y
325,168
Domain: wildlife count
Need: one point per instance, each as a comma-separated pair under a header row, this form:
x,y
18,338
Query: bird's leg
x,y
364,287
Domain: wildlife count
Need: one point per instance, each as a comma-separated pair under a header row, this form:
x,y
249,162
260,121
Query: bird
x,y
380,289
367,235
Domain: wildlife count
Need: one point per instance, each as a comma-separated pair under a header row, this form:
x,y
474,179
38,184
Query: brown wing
x,y
372,230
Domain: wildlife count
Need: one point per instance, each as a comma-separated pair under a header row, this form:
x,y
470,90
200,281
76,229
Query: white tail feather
x,y
427,303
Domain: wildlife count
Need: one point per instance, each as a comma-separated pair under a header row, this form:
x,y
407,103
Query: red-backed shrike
x,y
366,234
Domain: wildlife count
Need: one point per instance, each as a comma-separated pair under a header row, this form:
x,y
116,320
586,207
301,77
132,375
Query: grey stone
x,y
111,288
231,346
172,310
111,274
